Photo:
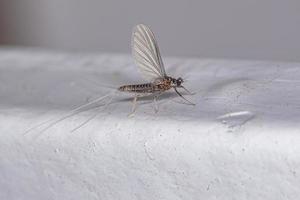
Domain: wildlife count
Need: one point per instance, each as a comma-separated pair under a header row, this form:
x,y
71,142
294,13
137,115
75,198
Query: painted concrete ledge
x,y
241,140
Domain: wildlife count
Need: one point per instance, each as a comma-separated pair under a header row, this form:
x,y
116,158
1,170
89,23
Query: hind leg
x,y
156,108
155,104
134,105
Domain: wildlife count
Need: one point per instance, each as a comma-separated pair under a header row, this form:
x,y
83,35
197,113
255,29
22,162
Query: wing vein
x,y
146,53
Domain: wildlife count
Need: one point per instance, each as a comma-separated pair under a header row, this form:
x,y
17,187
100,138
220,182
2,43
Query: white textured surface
x,y
241,141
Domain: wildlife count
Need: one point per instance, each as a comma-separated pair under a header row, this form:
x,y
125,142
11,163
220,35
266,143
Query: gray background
x,y
248,29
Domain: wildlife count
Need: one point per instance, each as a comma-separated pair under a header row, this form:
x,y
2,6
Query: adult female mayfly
x,y
147,57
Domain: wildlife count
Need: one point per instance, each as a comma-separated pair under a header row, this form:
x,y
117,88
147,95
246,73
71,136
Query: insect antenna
x,y
189,103
186,78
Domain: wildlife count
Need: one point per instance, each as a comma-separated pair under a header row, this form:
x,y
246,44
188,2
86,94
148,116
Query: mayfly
x,y
147,57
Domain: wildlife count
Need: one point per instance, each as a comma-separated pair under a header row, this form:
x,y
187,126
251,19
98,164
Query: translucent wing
x,y
146,53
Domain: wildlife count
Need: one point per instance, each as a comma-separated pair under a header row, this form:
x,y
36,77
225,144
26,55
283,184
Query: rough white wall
x,y
267,29
240,141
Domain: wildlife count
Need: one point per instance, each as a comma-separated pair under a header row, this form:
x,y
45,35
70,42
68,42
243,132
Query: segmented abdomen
x,y
139,88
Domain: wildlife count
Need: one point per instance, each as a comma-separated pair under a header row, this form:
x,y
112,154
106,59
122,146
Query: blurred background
x,y
249,29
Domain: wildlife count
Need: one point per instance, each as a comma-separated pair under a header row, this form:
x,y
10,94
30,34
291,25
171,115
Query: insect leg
x,y
133,106
155,102
190,103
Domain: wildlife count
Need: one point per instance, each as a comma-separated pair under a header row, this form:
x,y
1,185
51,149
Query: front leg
x,y
190,93
180,95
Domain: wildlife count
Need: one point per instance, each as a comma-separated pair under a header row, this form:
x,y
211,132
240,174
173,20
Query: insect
x,y
147,57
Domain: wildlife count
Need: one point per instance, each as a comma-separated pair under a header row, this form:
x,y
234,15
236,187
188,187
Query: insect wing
x,y
146,53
